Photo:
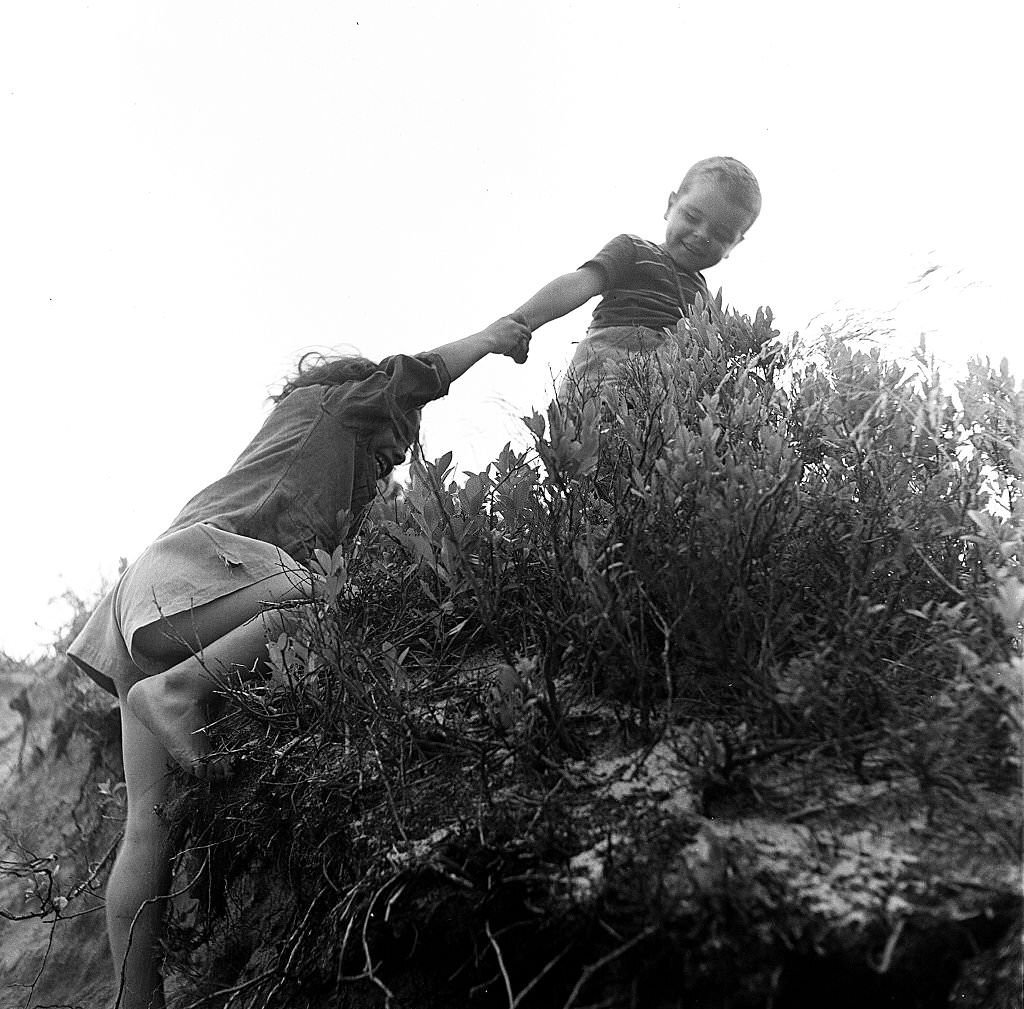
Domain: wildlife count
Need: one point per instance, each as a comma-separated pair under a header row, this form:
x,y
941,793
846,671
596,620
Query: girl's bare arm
x,y
509,336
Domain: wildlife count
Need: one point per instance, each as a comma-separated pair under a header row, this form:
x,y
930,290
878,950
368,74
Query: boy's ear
x,y
672,197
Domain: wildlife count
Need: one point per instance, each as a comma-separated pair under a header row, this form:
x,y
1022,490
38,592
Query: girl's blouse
x,y
311,469
299,484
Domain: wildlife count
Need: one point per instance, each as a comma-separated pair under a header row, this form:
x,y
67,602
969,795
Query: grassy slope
x,y
714,708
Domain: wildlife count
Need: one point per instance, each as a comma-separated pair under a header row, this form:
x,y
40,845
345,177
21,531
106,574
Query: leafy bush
x,y
804,539
801,546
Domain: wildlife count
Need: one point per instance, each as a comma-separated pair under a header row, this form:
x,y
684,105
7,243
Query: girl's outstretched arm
x,y
509,336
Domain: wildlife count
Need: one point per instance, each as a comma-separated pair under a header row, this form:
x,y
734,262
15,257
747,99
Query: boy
x,y
647,287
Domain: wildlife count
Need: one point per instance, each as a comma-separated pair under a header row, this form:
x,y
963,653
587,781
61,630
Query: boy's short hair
x,y
733,176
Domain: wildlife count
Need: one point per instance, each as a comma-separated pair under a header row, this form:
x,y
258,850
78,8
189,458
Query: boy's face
x,y
704,225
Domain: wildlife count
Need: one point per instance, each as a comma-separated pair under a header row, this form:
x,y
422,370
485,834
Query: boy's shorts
x,y
601,354
180,571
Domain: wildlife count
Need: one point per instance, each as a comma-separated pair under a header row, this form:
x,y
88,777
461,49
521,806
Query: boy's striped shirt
x,y
645,288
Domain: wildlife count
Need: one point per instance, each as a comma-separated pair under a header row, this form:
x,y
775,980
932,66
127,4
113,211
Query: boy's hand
x,y
511,337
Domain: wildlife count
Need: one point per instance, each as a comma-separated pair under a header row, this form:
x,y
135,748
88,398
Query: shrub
x,y
799,538
802,546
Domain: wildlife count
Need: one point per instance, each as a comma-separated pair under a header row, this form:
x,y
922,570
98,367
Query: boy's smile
x,y
704,225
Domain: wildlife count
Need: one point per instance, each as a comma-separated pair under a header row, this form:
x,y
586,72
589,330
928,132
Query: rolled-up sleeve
x,y
616,260
394,393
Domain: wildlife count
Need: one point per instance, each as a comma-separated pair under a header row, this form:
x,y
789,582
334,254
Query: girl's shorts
x,y
181,571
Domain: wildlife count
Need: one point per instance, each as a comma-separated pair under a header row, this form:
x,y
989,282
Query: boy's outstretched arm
x,y
561,296
508,335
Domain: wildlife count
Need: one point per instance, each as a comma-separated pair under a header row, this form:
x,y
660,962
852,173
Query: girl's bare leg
x,y
141,875
161,719
232,630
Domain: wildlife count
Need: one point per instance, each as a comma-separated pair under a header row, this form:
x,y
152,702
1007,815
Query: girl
x,y
191,600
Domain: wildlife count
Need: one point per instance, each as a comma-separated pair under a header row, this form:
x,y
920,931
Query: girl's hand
x,y
510,336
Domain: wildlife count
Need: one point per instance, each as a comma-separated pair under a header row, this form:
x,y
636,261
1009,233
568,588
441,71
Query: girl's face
x,y
389,449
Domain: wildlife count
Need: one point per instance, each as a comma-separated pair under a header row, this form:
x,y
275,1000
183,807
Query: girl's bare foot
x,y
170,709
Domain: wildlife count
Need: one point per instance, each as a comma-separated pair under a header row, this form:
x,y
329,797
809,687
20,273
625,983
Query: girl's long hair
x,y
315,368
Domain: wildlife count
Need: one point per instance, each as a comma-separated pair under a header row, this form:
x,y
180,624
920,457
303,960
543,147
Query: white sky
x,y
192,193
